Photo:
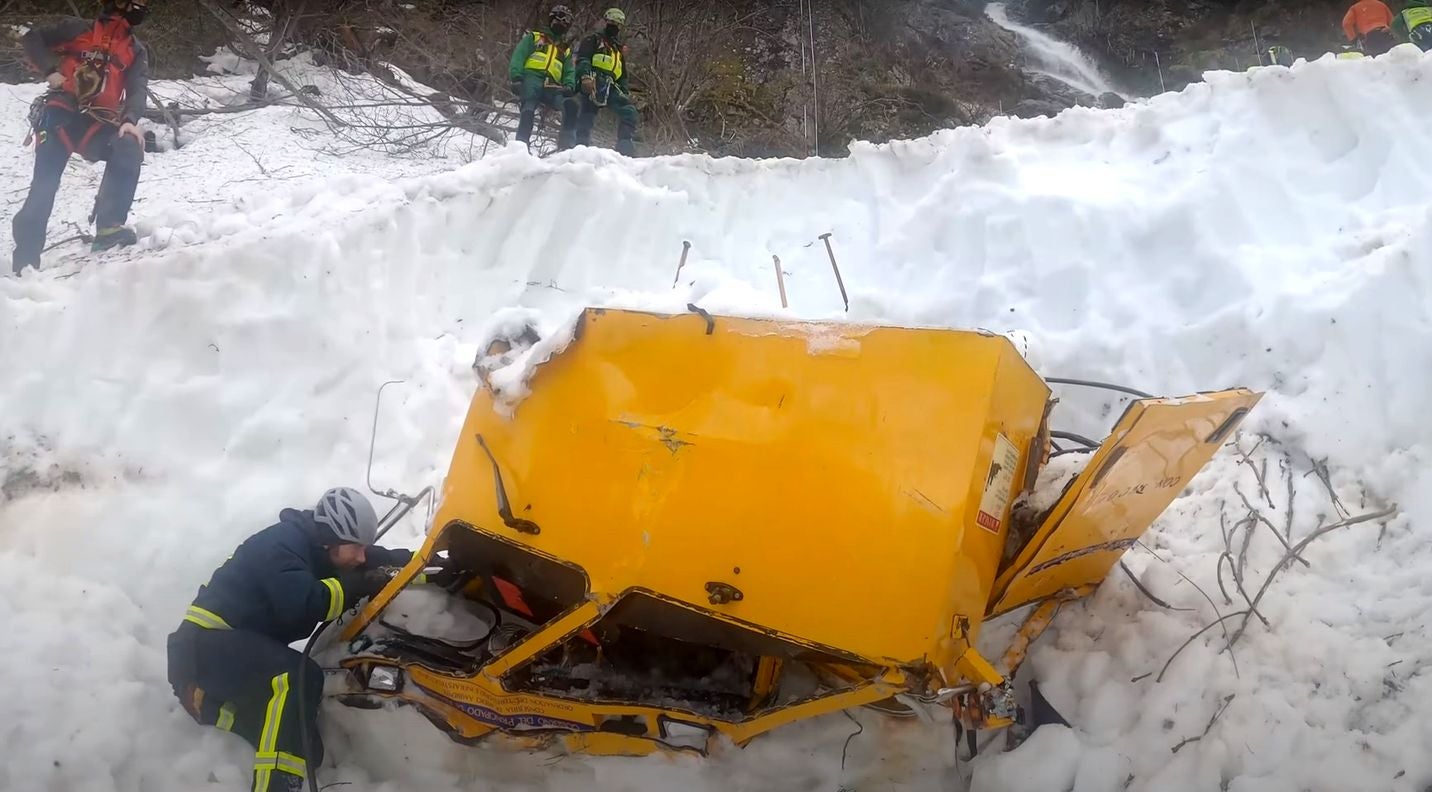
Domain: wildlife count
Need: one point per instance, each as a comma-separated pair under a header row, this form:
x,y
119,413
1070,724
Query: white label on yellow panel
x,y
998,484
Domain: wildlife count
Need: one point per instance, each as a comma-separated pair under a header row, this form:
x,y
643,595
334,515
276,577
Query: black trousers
x,y
64,133
1377,42
586,111
245,683
534,93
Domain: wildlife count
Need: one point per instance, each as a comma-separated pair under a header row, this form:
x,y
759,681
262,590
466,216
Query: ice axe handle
x,y
838,280
685,247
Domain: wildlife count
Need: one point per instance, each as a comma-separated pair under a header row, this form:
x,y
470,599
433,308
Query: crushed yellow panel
x,y
1152,454
829,473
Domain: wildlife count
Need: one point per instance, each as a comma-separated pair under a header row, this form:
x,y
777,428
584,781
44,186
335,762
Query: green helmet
x,y
615,15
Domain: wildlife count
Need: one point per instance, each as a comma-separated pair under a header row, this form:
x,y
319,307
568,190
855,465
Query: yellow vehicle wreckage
x,y
696,528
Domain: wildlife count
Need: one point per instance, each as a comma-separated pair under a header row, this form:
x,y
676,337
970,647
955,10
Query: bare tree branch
x,y
253,50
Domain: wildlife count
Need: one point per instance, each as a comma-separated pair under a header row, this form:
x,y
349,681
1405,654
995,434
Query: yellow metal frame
x,y
669,454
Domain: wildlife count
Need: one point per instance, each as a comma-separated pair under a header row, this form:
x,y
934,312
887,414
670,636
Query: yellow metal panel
x,y
1155,450
830,473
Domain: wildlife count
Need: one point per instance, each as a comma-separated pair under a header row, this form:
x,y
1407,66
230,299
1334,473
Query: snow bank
x,y
1267,229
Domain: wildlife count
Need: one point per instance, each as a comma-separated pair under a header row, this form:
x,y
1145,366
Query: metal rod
x,y
1159,64
780,280
1257,46
400,510
685,246
839,281
814,86
373,441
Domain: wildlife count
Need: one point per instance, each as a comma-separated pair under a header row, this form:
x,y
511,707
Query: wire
x,y
304,735
1104,385
859,730
1080,439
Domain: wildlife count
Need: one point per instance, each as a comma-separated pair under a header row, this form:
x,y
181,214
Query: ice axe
x,y
838,280
685,248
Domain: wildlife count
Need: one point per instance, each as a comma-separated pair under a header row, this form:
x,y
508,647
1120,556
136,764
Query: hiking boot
x,y
118,236
19,265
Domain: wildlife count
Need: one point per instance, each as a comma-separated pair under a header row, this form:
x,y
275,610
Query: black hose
x,y
1104,385
304,736
1080,439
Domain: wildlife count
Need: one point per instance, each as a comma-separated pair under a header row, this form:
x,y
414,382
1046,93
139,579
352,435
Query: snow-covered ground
x,y
1268,229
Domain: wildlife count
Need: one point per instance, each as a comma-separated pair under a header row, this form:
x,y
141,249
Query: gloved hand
x,y
445,572
133,131
55,80
360,583
589,83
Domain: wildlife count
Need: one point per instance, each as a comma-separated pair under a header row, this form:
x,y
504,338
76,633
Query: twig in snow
x,y
1231,656
1146,592
1288,528
1321,469
1260,475
1254,513
1194,637
1298,548
1226,701
241,147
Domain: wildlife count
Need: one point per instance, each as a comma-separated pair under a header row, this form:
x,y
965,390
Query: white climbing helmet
x,y
348,515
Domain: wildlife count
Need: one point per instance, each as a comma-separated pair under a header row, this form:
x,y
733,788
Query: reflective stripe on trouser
x,y
226,718
268,759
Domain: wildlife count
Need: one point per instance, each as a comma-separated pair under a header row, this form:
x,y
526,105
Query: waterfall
x,y
1061,61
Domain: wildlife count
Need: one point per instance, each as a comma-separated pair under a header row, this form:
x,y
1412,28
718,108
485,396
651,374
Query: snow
x,y
1267,229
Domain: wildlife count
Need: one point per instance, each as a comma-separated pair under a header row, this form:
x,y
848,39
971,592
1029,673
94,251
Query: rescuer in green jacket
x,y
602,76
1414,24
541,74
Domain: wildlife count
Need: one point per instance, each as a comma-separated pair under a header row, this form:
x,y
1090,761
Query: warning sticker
x,y
998,484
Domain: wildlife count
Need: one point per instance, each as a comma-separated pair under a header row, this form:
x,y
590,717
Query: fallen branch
x,y
253,50
1206,729
1255,514
1194,637
1321,469
1261,476
1146,592
1293,553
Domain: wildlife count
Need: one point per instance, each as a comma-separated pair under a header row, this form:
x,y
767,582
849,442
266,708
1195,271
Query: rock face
x,y
1138,39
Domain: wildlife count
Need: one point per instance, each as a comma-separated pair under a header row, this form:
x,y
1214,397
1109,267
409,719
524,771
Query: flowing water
x,y
1059,60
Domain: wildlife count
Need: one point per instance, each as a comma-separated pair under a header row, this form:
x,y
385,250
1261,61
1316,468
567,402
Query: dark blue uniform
x,y
229,661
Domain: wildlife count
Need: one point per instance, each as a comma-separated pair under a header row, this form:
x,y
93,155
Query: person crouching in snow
x,y
230,663
98,75
1415,24
1369,22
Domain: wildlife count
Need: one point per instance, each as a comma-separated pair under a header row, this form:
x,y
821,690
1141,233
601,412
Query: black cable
x,y
1104,385
304,736
859,730
1080,439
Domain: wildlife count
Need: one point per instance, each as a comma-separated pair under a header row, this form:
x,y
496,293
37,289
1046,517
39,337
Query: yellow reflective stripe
x,y
545,60
335,598
206,619
226,718
1417,16
610,62
281,761
266,758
